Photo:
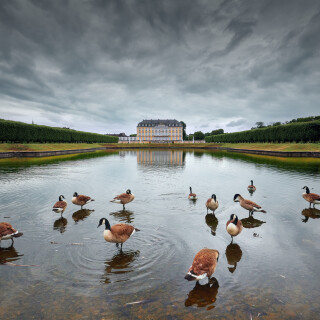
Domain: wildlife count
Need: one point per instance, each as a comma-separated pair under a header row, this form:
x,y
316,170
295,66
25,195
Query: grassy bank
x,y
288,147
7,147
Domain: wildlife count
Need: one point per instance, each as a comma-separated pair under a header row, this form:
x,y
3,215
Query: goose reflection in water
x,y
9,254
212,222
60,224
251,222
120,263
123,216
203,295
81,214
312,213
233,254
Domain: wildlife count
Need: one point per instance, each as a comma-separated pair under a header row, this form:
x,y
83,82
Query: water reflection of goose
x,y
123,216
120,263
234,254
251,222
9,254
212,222
60,224
81,214
312,213
212,203
203,295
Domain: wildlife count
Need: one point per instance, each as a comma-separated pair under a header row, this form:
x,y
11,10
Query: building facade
x,y
160,131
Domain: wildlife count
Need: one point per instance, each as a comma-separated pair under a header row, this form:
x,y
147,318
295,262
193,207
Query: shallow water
x,y
61,268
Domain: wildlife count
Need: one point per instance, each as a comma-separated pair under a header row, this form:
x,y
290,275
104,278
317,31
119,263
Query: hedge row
x,y
13,131
295,132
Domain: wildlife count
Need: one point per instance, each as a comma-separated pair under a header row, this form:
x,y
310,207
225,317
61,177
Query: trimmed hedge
x,y
295,132
14,131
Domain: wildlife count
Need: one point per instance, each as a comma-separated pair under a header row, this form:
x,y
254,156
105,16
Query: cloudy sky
x,y
104,65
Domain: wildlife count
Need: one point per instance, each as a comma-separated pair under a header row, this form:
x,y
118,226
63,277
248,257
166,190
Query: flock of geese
x,y
205,261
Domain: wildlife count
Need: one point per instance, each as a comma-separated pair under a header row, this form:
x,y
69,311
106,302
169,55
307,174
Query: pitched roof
x,y
166,122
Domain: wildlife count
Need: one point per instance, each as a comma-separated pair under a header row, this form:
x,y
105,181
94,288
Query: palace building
x,y
160,131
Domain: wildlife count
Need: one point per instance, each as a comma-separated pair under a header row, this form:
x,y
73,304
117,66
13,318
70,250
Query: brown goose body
x,y
7,232
123,198
60,206
80,199
204,264
212,203
234,226
248,204
118,233
312,198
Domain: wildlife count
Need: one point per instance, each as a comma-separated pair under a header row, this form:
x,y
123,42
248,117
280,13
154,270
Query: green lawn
x,y
5,147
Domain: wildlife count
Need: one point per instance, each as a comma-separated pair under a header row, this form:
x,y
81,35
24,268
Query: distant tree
x,y
215,132
260,124
133,135
278,123
190,137
184,131
198,135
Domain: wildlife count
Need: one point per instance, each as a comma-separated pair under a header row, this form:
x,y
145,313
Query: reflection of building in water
x,y
160,157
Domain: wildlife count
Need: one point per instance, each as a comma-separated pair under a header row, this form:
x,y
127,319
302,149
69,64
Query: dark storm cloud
x,y
105,65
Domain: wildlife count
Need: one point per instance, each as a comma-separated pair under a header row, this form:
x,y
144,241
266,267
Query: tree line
x,y
298,131
14,131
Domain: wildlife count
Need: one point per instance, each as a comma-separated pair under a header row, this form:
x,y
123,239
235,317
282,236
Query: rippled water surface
x,y
61,268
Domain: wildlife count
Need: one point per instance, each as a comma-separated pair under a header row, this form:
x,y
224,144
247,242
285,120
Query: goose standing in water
x,y
60,205
192,196
118,233
123,198
8,232
248,204
311,197
204,264
212,203
80,199
234,226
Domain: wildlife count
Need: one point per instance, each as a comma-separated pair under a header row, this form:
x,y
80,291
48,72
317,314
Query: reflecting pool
x,y
62,268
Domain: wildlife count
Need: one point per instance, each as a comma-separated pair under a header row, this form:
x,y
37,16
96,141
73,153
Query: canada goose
x,y
192,196
7,232
123,198
60,205
311,197
234,226
212,203
203,265
118,233
81,200
248,204
251,187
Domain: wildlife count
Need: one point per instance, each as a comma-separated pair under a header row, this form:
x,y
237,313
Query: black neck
x,y
307,190
235,221
108,227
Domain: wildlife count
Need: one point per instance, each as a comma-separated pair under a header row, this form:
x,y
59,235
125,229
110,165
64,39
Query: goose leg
x,y
124,208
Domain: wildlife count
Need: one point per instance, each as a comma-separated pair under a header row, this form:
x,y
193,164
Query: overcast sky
x,y
103,66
